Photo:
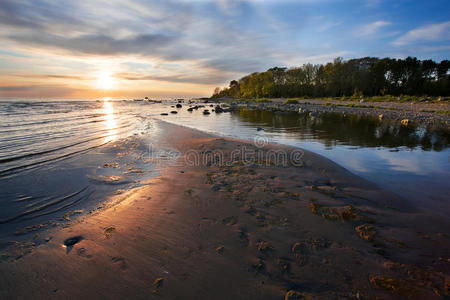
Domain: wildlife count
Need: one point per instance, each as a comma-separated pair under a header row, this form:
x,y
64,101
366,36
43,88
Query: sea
x,y
63,158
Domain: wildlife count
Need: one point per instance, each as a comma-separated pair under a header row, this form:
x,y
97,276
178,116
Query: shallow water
x,y
413,162
60,159
57,157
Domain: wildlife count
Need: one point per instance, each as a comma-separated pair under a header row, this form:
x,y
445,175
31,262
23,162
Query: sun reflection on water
x,y
110,121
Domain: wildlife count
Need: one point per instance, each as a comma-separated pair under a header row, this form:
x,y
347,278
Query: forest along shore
x,y
219,224
435,114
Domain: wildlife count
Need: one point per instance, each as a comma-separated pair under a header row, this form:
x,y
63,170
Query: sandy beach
x,y
230,219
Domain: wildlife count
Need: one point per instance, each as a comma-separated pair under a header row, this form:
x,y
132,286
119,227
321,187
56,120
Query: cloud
x,y
372,28
182,78
427,33
97,44
176,42
372,3
326,57
327,25
50,76
172,30
36,90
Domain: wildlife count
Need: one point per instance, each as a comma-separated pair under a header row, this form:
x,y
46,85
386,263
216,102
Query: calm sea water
x,y
57,157
62,158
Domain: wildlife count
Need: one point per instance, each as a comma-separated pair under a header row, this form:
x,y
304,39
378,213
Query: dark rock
x,y
220,249
293,295
73,240
260,129
164,114
179,106
206,112
173,112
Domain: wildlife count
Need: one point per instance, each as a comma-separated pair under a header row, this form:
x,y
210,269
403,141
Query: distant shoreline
x,y
435,114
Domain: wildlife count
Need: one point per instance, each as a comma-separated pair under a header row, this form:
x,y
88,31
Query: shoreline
x,y
240,230
435,114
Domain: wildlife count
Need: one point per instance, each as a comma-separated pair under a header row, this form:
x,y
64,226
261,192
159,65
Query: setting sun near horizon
x,y
105,81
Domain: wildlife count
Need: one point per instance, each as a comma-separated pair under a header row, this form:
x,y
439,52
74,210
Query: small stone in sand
x,y
109,230
120,261
298,248
264,246
284,265
293,295
158,282
366,231
394,285
259,267
72,240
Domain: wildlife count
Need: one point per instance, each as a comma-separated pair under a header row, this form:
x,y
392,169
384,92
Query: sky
x,y
179,48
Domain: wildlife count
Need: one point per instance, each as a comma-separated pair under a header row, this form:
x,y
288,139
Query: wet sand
x,y
262,230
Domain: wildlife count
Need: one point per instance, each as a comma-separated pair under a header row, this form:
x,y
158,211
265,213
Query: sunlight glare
x,y
110,122
105,81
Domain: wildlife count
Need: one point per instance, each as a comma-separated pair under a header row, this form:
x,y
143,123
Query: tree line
x,y
368,76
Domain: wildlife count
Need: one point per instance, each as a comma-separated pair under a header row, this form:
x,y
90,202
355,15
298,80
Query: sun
x,y
105,81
